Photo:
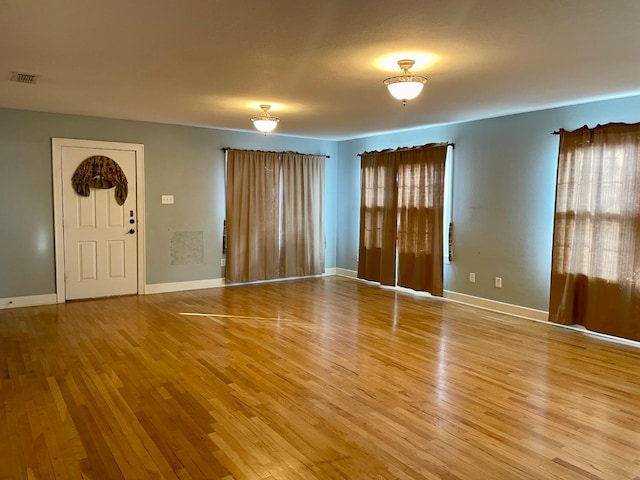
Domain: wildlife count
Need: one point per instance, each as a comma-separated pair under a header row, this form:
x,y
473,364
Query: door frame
x,y
56,147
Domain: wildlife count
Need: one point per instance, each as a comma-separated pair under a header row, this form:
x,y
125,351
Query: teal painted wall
x,y
503,193
504,172
186,162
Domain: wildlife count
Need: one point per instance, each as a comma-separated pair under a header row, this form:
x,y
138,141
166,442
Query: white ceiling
x,y
211,62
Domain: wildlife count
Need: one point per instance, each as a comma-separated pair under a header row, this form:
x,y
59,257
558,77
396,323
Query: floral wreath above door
x,y
100,172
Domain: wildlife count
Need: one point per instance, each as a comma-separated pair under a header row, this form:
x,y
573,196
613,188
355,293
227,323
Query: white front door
x,y
100,244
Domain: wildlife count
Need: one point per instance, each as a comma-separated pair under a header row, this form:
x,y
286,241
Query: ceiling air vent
x,y
24,77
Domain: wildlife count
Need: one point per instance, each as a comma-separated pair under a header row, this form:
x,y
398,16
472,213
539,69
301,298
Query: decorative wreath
x,y
100,172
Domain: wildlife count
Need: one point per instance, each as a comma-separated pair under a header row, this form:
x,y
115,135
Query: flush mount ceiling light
x,y
264,122
406,86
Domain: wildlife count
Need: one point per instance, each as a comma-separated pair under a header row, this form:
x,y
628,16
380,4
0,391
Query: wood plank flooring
x,y
325,378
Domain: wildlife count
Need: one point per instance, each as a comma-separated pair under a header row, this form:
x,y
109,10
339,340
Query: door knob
x,y
132,231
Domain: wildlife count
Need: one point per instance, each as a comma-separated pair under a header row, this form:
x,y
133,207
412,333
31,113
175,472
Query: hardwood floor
x,y
309,379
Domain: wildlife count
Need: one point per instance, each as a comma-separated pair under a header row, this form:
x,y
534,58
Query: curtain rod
x,y
224,149
598,126
404,149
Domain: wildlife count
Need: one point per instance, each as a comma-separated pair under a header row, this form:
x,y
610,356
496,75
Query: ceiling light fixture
x,y
406,86
265,122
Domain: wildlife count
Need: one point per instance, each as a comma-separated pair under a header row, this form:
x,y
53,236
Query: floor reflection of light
x,y
442,366
223,315
394,324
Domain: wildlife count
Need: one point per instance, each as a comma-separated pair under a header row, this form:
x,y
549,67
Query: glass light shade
x,y
264,122
405,87
265,125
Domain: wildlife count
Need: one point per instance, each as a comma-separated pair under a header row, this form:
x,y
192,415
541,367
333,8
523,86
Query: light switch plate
x,y
167,199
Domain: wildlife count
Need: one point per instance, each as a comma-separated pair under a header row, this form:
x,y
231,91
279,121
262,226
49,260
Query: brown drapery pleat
x,y
275,215
303,241
378,218
595,272
253,216
420,219
401,209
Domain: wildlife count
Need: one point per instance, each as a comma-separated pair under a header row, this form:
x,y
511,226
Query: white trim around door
x,y
57,144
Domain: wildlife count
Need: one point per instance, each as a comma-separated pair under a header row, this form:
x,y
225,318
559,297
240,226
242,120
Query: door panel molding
x,y
57,144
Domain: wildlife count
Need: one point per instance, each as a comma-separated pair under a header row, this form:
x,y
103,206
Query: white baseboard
x,y
182,286
329,271
346,273
28,301
496,306
51,298
484,303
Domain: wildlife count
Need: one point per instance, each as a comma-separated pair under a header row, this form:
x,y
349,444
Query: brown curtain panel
x,y
253,216
401,210
378,218
420,218
302,250
595,273
275,215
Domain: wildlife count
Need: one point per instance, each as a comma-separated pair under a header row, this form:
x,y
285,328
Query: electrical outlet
x,y
167,199
223,262
498,282
472,277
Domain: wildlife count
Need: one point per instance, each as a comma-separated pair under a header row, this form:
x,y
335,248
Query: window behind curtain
x,y
401,210
275,215
595,275
420,219
378,218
